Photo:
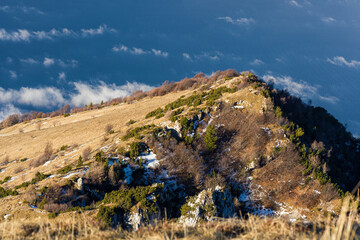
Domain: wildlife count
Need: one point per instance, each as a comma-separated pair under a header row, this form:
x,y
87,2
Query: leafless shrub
x,y
11,120
55,207
108,128
86,153
46,156
30,194
96,174
4,161
18,169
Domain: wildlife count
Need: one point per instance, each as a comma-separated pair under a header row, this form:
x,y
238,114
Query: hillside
x,y
205,150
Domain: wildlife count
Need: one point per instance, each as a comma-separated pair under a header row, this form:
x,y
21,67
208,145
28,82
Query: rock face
x,y
208,205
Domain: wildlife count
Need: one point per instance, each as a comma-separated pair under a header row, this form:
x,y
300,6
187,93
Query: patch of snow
x,y
76,172
12,179
317,192
151,161
267,130
6,216
128,173
48,162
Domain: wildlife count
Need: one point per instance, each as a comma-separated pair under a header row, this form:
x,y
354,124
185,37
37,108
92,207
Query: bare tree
x,y
86,153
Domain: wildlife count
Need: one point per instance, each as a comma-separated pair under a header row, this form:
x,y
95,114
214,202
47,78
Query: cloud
x,y
160,53
330,99
300,89
328,20
341,61
187,56
62,76
51,97
24,9
86,93
139,51
48,62
96,31
25,35
7,110
295,3
204,55
256,62
29,61
239,21
13,74
37,97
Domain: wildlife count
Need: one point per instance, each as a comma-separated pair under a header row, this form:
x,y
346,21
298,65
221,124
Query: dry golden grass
x,y
82,226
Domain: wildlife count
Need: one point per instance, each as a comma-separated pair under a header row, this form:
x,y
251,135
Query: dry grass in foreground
x,y
78,226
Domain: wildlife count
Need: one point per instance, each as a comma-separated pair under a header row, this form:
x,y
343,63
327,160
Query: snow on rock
x,y
151,161
208,205
75,173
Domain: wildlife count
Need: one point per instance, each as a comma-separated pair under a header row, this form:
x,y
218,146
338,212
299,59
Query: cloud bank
x,y
139,51
25,35
301,89
341,61
11,100
238,21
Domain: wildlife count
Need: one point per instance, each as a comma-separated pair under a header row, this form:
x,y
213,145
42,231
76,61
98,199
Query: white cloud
x,y
160,53
239,21
9,60
341,61
96,31
51,97
29,61
256,62
187,56
7,110
48,62
328,19
86,93
27,35
205,55
330,99
24,9
295,3
16,36
62,76
300,89
13,74
38,97
139,51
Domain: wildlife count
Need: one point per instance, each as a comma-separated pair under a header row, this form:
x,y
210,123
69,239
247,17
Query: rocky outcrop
x,y
207,205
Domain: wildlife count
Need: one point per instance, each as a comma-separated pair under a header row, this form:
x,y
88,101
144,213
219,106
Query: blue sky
x,y
58,52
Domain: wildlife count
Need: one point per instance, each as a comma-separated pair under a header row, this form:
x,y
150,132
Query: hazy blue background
x,y
57,52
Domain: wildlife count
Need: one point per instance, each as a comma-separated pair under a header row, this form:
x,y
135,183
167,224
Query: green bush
x,y
157,113
210,138
99,157
63,148
135,149
7,192
80,162
6,179
277,111
105,215
65,170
